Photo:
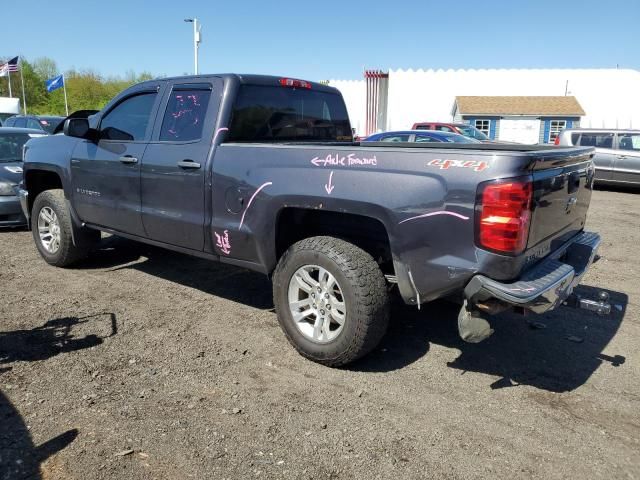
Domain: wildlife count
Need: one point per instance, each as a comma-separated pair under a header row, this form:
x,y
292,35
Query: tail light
x,y
557,140
292,82
503,215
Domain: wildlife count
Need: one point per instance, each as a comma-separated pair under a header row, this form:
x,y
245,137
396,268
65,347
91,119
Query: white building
x,y
609,98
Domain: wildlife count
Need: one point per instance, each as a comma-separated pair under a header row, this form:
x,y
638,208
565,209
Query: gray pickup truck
x,y
262,172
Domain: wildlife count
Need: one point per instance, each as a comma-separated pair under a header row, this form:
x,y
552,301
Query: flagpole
x,y
24,97
64,87
9,76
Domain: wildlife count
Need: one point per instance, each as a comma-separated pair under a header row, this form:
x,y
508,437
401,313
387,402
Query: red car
x,y
459,128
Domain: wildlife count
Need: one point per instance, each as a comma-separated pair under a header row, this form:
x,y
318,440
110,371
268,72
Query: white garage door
x,y
520,130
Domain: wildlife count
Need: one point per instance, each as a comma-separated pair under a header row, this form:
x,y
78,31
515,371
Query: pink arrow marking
x,y
218,132
251,201
329,188
443,212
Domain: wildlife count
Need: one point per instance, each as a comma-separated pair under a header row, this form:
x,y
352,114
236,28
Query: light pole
x,y
196,41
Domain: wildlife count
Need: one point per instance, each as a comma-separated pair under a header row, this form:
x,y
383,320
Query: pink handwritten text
x,y
343,161
223,242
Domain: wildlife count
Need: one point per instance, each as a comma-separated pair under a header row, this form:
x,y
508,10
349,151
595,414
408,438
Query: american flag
x,y
12,65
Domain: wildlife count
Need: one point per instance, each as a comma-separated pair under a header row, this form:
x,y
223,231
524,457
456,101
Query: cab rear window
x,y
280,114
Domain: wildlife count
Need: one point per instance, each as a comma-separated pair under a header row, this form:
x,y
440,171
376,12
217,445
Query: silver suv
x,y
617,158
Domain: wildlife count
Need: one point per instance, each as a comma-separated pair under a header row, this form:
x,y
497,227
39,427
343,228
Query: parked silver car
x,y
617,158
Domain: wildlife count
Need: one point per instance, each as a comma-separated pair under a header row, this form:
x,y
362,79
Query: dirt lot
x,y
147,364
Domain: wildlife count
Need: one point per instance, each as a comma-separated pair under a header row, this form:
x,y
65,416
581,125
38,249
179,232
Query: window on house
x,y
484,126
555,127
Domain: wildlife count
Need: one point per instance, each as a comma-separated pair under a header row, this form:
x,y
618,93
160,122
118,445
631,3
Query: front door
x,y
174,165
105,174
626,167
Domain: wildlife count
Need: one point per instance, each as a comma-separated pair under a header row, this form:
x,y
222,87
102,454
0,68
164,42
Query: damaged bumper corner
x,y
547,285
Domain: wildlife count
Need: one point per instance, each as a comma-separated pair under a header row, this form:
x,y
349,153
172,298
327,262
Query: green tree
x,y
86,90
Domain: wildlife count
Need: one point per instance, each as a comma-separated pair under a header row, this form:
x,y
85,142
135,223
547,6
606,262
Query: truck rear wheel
x,y
331,300
51,228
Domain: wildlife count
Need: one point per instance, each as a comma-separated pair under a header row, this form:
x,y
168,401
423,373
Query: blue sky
x,y
321,40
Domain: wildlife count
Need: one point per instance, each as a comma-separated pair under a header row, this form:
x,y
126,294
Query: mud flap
x,y
473,328
81,236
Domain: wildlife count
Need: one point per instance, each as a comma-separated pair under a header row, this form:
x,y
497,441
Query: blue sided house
x,y
521,119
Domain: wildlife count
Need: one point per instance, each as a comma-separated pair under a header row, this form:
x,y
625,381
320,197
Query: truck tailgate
x,y
562,185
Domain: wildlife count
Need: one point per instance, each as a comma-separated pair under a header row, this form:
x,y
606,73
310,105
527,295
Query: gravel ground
x,y
146,364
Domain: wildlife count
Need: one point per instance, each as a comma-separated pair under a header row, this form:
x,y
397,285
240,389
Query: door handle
x,y
188,164
128,159
622,156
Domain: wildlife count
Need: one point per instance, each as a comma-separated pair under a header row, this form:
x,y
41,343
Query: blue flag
x,y
54,83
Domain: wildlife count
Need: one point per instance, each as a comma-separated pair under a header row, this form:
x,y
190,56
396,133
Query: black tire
x,y
67,253
365,295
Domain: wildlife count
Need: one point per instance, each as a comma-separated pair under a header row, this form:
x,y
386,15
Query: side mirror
x,y
77,127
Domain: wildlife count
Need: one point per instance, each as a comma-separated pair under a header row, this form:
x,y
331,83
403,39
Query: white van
x,y
8,108
617,158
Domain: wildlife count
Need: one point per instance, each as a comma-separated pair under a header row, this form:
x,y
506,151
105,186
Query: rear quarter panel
x,y
425,199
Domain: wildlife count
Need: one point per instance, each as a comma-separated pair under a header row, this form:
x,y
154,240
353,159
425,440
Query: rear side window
x,y
273,114
20,123
49,124
31,123
185,115
574,138
629,141
425,139
9,122
395,138
128,121
599,140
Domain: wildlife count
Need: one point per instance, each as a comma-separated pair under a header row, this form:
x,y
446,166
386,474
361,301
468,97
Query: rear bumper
x,y
11,212
545,286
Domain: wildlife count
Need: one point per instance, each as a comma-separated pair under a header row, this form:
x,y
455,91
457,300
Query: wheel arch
x,y
293,224
37,180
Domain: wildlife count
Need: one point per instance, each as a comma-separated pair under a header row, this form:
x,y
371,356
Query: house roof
x,y
548,106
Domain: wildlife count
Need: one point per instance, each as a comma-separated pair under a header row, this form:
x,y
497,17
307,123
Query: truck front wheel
x,y
51,228
331,300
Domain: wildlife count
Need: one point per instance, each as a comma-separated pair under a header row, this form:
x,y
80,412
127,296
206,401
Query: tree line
x,y
86,89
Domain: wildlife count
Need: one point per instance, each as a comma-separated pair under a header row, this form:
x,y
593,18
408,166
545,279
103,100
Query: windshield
x,y
274,114
472,132
11,146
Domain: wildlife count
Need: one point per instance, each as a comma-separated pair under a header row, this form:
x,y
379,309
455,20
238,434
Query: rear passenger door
x,y
627,164
605,156
174,167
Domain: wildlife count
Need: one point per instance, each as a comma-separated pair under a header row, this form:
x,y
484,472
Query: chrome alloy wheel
x,y
317,304
49,229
